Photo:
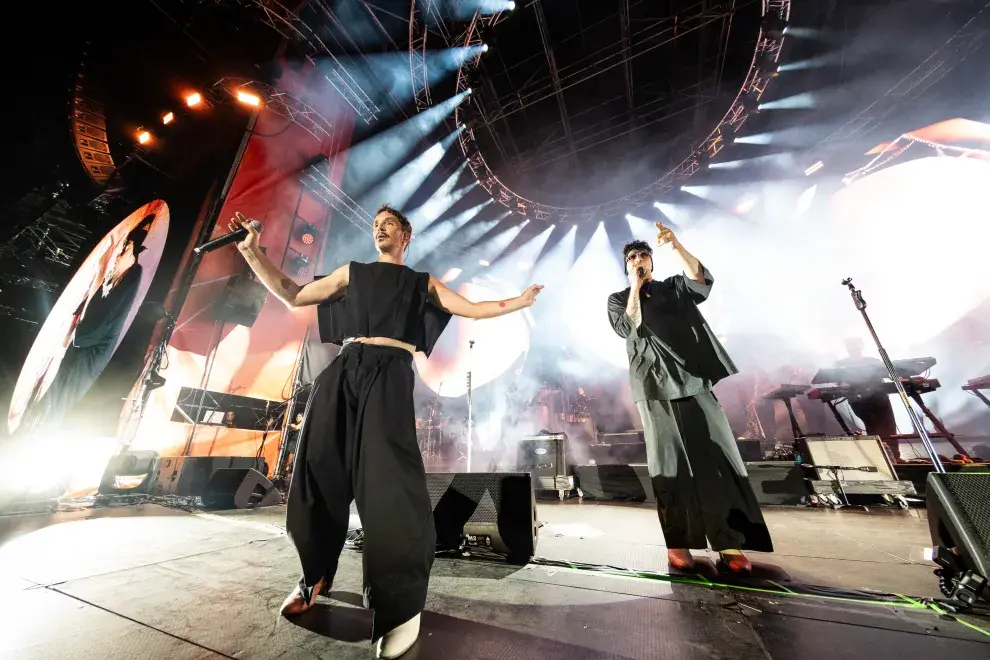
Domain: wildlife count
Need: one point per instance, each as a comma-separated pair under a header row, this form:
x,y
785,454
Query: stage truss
x,y
278,102
295,29
966,41
746,101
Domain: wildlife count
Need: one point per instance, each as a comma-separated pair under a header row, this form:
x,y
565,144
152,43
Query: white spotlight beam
x,y
797,102
523,260
439,232
557,261
640,228
439,202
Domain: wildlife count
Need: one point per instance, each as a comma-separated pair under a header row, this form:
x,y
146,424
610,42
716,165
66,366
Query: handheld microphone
x,y
218,242
641,271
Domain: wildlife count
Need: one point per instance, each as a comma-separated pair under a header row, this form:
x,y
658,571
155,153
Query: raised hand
x,y
528,296
251,240
665,237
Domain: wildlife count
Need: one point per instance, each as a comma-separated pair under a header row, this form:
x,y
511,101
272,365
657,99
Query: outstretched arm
x,y
281,286
692,267
453,303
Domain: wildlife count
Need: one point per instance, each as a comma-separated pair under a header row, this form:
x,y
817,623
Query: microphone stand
x,y
470,420
916,421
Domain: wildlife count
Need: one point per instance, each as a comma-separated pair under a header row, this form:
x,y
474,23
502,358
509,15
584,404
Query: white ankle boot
x,y
398,641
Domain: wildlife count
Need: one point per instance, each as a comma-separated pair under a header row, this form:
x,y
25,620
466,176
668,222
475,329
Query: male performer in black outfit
x,y
698,476
872,407
358,440
93,334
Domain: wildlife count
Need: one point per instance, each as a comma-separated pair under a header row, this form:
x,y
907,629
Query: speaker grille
x,y
483,488
972,493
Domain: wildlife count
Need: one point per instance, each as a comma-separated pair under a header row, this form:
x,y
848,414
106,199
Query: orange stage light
x,y
194,99
167,118
144,137
248,99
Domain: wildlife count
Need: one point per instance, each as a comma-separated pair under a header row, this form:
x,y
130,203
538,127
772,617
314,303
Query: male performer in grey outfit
x,y
697,474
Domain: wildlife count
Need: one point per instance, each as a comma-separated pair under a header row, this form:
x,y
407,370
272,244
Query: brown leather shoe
x,y
736,561
680,559
296,604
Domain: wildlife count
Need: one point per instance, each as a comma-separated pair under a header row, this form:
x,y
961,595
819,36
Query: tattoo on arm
x,y
633,310
501,303
286,283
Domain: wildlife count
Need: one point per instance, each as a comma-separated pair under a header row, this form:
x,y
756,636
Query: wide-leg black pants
x,y
699,479
358,442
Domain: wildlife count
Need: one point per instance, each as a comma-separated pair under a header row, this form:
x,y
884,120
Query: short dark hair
x,y
635,246
403,220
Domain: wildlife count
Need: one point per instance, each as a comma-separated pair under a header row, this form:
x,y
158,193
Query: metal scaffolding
x,y
768,47
292,27
51,238
558,89
280,103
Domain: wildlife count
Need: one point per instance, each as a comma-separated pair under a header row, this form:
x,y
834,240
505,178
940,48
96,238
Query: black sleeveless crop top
x,y
384,300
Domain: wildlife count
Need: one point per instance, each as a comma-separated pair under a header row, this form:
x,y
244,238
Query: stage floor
x,y
146,581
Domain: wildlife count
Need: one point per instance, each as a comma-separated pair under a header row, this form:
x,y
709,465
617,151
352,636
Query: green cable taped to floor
x,y
885,600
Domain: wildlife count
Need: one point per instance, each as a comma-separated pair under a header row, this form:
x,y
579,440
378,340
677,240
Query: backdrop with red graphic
x,y
213,353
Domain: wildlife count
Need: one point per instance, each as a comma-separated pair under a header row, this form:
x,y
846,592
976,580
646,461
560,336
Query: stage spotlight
x,y
300,265
194,99
512,6
767,64
469,90
248,99
307,234
484,48
774,25
143,137
751,101
315,161
167,118
155,380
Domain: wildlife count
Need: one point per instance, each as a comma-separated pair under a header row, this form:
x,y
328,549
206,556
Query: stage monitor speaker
x,y
494,510
239,488
129,473
750,449
847,451
188,475
630,483
242,301
959,521
778,483
615,452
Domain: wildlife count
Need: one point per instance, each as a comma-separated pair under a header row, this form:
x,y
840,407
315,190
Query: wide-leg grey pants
x,y
699,479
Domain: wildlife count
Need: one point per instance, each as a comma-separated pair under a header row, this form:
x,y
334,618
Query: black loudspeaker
x,y
241,301
495,510
619,453
778,483
631,483
131,472
959,522
239,488
750,450
188,475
